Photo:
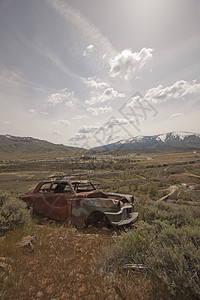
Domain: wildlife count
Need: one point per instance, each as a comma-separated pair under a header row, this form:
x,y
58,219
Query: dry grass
x,y
62,266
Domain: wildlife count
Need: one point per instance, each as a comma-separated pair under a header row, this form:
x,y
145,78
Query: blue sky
x,y
85,73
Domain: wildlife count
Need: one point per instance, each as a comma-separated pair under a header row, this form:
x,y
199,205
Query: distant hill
x,y
14,147
166,141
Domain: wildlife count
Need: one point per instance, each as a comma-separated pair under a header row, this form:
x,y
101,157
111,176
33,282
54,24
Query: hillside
x,y
166,141
13,147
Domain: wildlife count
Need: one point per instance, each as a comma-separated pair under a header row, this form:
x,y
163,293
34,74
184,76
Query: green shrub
x,y
172,215
13,212
172,255
153,190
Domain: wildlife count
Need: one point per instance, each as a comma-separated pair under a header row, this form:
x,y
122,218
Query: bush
x,y
171,215
172,255
167,241
153,190
13,212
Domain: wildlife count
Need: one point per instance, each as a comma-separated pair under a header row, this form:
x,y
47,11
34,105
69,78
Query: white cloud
x,y
159,94
127,62
32,111
176,115
105,133
177,90
56,132
96,111
94,82
69,103
117,122
79,117
62,96
88,50
44,113
101,91
113,122
78,138
102,96
88,129
64,122
61,123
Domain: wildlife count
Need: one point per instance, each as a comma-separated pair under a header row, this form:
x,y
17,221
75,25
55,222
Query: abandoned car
x,y
79,202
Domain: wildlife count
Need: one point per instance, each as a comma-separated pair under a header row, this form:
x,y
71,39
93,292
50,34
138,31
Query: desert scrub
x,y
177,216
13,212
153,189
172,255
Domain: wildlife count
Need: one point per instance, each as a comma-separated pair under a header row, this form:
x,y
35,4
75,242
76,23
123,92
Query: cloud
x,y
176,115
177,90
95,83
44,113
56,132
64,122
101,91
96,111
159,94
69,103
128,63
62,96
15,79
105,95
78,138
88,129
79,117
9,77
88,50
117,122
105,133
32,111
113,122
87,29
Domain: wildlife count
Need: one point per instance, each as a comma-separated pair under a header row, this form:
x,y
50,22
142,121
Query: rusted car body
x,y
80,203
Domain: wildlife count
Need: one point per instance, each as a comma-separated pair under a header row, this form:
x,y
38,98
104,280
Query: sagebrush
x,y
13,212
168,244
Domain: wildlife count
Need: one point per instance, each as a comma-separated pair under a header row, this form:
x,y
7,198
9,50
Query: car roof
x,y
65,181
79,181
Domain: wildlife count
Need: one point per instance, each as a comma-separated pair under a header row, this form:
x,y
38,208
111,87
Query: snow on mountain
x,y
161,137
182,135
160,141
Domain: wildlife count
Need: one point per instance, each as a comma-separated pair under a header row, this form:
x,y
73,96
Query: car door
x,y
53,200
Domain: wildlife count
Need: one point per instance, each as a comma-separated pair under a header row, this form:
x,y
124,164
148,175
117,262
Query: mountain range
x,y
14,147
171,140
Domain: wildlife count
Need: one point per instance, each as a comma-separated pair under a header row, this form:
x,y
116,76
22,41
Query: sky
x,y
91,72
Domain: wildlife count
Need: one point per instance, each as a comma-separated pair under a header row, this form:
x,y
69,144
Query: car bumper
x,y
123,217
127,221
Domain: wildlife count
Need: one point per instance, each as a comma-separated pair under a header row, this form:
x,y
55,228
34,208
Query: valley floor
x,y
65,263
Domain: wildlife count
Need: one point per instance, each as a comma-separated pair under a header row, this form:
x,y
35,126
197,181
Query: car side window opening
x,y
83,187
61,188
45,187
